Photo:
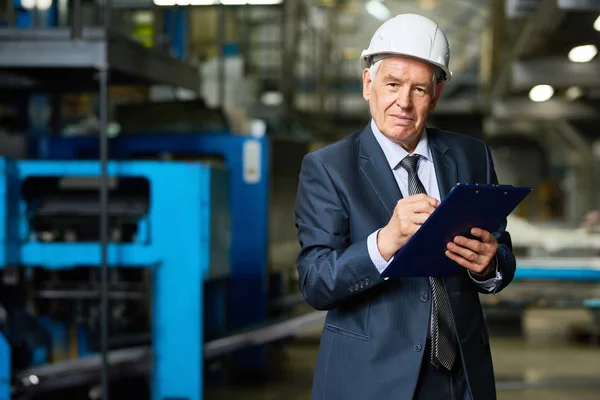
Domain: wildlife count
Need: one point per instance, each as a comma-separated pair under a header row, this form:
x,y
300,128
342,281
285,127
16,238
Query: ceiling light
x,y
28,4
44,4
214,2
143,17
378,10
263,2
272,98
581,54
597,23
574,92
541,93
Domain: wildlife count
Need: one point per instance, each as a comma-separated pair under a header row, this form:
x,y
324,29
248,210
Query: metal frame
x,y
179,263
571,269
249,200
137,361
553,282
40,53
49,59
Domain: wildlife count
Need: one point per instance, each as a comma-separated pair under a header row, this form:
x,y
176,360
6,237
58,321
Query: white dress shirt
x,y
394,153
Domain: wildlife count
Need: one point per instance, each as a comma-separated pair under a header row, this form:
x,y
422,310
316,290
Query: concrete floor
x,y
542,354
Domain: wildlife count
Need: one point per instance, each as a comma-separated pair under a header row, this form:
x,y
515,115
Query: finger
x,y
482,234
464,252
471,244
417,198
423,207
419,218
471,266
484,251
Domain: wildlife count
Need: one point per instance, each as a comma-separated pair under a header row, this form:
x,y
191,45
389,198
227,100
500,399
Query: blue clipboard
x,y
465,207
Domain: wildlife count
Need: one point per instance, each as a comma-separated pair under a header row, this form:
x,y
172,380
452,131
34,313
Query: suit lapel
x,y
376,169
446,168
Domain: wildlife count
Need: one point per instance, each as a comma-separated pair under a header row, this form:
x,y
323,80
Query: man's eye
x,y
393,85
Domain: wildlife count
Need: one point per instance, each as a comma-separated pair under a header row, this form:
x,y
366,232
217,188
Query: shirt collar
x,y
394,153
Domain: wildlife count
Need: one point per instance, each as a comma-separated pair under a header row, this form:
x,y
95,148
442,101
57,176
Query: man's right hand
x,y
409,214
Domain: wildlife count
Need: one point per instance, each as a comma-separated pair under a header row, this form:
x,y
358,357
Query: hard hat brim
x,y
366,63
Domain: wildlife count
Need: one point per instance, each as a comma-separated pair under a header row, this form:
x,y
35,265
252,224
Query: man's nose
x,y
404,98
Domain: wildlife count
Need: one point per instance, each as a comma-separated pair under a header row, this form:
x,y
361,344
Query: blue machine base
x,y
581,274
247,160
179,260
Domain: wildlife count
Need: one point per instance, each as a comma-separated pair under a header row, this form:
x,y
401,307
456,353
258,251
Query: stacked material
x,y
552,239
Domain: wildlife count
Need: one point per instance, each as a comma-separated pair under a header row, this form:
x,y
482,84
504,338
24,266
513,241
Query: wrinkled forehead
x,y
403,67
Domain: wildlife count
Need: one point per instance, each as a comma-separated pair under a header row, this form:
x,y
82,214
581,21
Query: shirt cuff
x,y
374,253
489,284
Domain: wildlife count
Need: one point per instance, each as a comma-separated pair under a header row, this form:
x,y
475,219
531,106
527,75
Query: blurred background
x,y
184,286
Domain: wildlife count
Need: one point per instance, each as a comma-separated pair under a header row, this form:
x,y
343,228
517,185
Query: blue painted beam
x,y
581,273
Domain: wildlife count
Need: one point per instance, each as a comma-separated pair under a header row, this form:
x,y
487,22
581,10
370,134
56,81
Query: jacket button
x,y
417,347
367,281
424,297
351,289
356,287
362,285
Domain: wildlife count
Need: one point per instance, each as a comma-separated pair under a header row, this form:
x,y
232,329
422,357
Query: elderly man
x,y
359,201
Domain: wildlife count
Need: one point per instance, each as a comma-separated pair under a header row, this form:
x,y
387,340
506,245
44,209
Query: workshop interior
x,y
184,286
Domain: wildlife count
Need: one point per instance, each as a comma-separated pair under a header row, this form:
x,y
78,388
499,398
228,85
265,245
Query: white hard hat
x,y
413,36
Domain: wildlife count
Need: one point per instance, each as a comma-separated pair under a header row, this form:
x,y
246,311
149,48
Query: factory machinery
x,y
557,267
132,265
187,258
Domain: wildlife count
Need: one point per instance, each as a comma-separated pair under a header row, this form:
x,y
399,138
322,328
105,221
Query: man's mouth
x,y
402,119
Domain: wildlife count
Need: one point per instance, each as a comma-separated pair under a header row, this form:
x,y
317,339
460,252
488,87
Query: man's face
x,y
401,98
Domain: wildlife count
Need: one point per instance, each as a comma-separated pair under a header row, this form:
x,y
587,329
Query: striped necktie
x,y
443,349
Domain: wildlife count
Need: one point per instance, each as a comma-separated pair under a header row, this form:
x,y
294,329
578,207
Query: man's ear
x,y
438,91
366,78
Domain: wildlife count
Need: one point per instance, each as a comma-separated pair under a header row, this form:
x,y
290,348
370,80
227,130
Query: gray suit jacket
x,y
375,332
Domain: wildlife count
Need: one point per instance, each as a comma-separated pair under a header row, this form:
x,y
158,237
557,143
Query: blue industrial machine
x,y
246,158
192,234
193,225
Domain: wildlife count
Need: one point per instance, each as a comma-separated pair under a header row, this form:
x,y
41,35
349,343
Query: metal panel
x,y
9,213
520,8
63,255
50,48
134,60
25,51
557,72
579,5
552,109
51,54
459,105
5,368
523,8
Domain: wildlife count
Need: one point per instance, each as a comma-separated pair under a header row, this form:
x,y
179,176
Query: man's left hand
x,y
474,254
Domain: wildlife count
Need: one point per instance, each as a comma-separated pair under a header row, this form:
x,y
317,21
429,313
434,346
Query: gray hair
x,y
375,67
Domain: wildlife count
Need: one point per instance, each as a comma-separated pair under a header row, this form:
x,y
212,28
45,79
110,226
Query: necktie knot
x,y
409,163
